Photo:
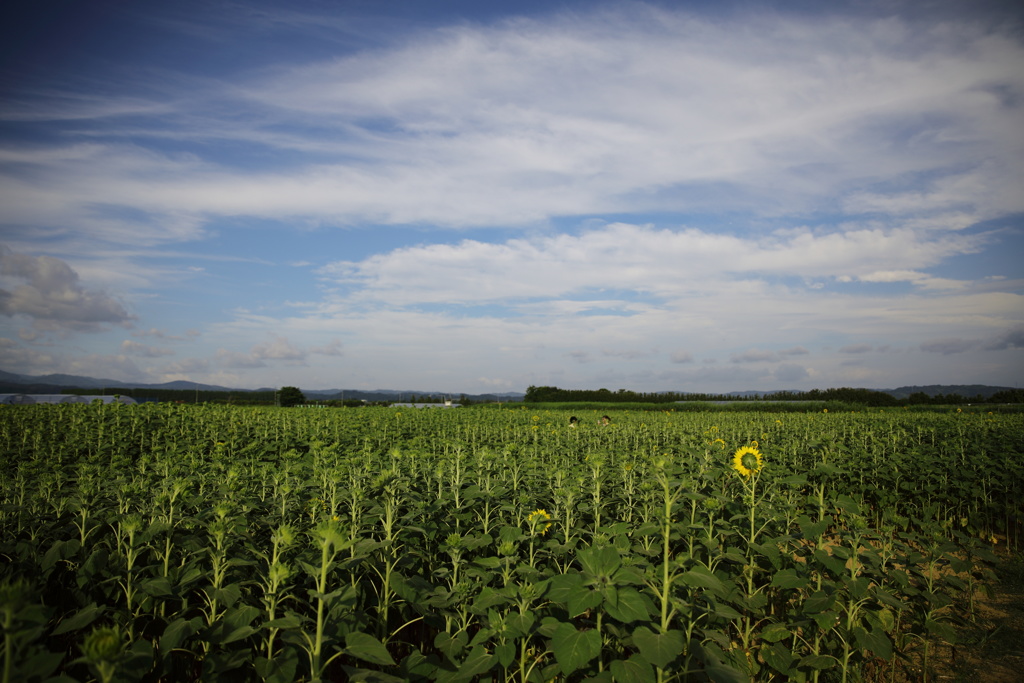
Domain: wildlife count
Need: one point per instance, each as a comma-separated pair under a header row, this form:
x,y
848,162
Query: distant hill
x,y
58,381
14,383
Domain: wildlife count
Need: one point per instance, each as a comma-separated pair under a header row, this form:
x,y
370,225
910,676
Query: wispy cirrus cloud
x,y
527,119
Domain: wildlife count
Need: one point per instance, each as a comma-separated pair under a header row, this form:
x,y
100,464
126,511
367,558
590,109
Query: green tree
x,y
1008,396
290,396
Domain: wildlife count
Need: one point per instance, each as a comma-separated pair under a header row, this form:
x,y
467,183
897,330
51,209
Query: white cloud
x,y
638,258
233,359
103,365
761,356
754,356
134,348
681,357
278,349
186,368
527,119
790,372
627,354
26,360
1013,338
856,348
334,348
163,335
949,345
47,291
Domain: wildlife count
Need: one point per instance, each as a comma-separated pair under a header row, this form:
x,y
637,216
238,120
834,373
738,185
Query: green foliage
x,y
238,398
290,396
845,396
1008,396
186,543
699,407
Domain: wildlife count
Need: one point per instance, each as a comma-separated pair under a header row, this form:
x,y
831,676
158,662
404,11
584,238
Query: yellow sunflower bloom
x,y
747,461
539,521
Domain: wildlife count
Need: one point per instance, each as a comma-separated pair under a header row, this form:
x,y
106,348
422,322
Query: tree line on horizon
x,y
285,396
865,397
247,398
550,394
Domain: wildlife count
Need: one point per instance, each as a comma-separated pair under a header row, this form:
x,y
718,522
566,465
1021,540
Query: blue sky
x,y
473,197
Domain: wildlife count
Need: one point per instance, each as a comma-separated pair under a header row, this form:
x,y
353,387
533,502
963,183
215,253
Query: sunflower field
x,y
183,543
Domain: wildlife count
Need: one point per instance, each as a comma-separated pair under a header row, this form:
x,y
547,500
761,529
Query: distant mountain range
x,y
14,383
79,382
11,382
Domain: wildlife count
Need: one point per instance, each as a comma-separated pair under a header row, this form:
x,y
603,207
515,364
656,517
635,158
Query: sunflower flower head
x,y
104,644
747,461
539,521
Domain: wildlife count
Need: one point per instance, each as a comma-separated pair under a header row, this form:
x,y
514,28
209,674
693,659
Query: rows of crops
x,y
182,543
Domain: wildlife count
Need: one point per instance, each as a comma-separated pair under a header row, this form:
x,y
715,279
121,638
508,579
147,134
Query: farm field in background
x,y
179,543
